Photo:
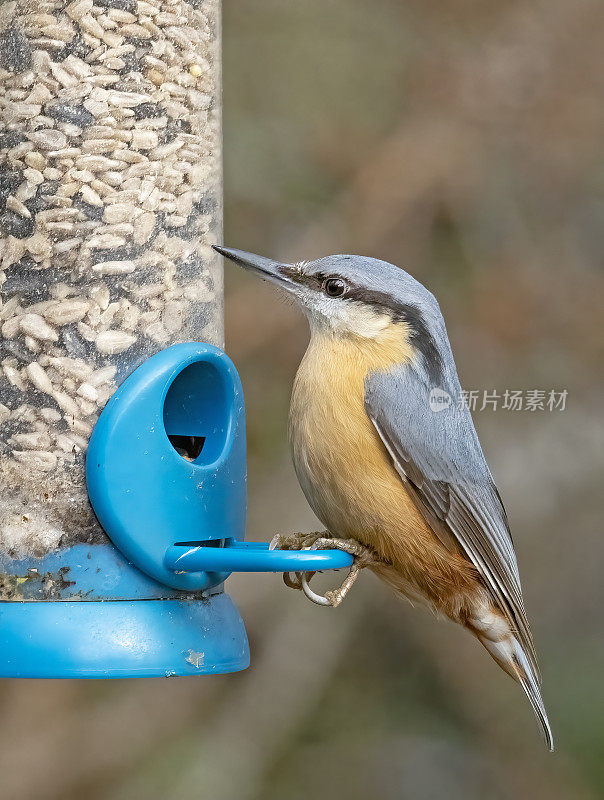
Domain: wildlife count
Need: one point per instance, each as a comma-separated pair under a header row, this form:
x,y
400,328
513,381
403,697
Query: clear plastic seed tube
x,y
110,197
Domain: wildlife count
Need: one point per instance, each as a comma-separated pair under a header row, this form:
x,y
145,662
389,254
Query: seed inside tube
x,y
119,152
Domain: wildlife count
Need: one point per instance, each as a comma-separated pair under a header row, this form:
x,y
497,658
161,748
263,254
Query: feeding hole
x,y
188,447
197,412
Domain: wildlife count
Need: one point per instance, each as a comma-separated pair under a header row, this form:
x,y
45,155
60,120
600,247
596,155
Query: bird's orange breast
x,y
340,461
344,469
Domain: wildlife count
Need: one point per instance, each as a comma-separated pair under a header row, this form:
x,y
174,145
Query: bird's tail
x,y
510,656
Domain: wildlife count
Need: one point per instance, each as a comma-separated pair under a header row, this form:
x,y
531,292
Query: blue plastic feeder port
x,y
166,461
166,474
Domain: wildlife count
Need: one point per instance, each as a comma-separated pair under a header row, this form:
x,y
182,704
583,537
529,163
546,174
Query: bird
x,y
386,453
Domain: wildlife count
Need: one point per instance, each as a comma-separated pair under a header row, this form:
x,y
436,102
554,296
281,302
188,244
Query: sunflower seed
x,y
37,459
39,378
112,342
35,325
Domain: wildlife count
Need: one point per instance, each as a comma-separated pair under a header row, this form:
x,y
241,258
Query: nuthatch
x,y
386,451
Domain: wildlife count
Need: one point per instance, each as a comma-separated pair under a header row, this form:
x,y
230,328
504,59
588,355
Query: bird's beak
x,y
267,268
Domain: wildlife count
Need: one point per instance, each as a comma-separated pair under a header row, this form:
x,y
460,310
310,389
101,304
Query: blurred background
x,y
461,139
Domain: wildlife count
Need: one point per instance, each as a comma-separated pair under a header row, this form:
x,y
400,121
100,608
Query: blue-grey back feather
x,y
438,455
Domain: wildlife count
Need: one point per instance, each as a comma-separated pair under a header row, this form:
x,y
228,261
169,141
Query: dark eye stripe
x,y
297,276
419,333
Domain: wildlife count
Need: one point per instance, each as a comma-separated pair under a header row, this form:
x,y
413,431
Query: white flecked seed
x,y
62,31
37,459
24,413
144,140
48,139
72,366
173,316
38,308
13,376
66,245
128,99
119,212
115,63
86,407
18,111
32,344
50,414
100,295
65,443
112,39
114,341
99,146
35,160
143,227
104,394
120,15
36,326
26,191
105,242
79,441
66,312
136,31
93,318
86,332
95,107
78,425
114,267
10,327
61,290
32,441
101,188
101,376
92,27
88,392
107,316
18,207
66,403
33,176
121,229
90,196
39,378
10,308
64,78
78,8
130,317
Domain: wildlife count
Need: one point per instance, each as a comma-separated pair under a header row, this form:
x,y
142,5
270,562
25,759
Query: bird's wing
x,y
436,452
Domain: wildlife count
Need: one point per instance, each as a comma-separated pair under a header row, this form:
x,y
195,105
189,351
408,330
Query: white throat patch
x,y
344,317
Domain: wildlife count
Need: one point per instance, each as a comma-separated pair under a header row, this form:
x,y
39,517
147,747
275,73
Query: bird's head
x,y
357,297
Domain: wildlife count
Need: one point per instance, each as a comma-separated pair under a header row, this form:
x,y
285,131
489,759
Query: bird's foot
x,y
362,556
295,541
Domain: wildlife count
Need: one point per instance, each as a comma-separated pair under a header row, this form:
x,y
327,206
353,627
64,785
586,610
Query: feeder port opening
x,y
197,413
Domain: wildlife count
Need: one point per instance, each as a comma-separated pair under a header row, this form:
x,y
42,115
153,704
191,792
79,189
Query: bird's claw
x,y
294,541
319,541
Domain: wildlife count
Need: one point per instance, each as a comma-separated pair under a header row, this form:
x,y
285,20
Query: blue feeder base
x,y
121,638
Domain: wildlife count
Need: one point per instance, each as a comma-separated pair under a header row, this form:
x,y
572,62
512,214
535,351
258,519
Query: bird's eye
x,y
334,287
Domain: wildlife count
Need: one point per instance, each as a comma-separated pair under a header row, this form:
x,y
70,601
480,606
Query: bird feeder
x,y
110,197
